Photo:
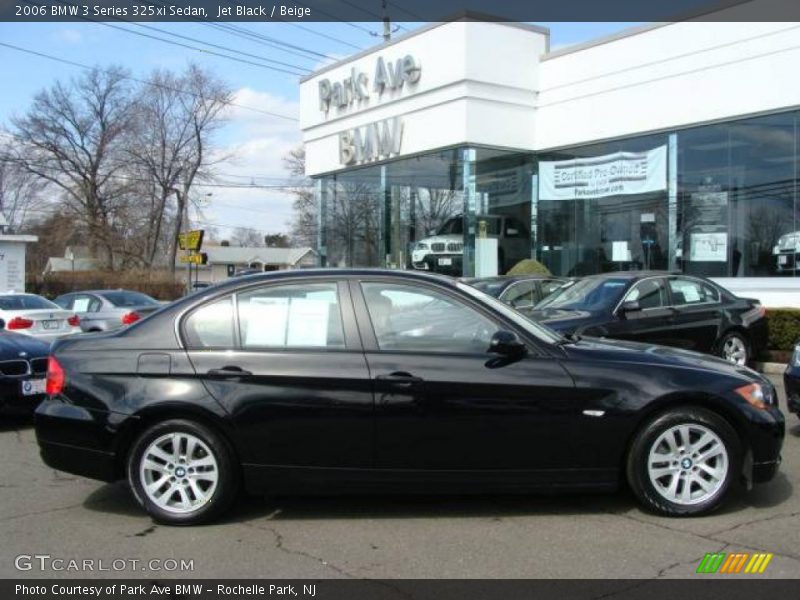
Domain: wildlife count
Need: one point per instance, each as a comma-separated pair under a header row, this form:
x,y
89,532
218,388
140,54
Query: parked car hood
x,y
635,352
12,344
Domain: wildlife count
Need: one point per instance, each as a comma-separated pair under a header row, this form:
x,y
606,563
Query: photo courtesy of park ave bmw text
x,y
390,299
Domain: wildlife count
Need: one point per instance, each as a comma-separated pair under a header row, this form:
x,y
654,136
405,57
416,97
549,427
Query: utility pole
x,y
387,26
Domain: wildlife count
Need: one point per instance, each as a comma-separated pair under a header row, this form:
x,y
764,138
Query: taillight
x,y
130,317
74,321
762,311
55,377
19,323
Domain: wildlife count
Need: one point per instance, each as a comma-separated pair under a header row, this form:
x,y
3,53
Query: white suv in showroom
x,y
786,252
443,252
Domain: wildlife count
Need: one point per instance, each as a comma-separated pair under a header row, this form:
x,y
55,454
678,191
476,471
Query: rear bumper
x,y
77,440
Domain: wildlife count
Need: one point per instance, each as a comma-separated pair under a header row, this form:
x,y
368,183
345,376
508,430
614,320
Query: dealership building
x,y
468,145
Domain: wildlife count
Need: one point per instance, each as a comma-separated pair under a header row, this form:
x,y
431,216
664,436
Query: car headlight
x,y
776,250
796,356
756,395
421,246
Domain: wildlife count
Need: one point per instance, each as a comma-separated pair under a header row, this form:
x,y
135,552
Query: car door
x,y
285,361
698,314
442,403
651,321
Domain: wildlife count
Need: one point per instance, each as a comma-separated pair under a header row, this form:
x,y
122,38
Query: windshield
x,y
538,330
493,287
589,294
26,302
129,299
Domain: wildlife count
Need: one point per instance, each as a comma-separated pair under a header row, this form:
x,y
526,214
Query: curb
x,y
770,368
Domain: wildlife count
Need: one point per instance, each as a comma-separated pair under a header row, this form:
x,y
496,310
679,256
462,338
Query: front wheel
x,y
683,462
734,348
182,472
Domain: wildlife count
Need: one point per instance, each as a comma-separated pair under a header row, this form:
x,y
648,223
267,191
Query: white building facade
x,y
671,146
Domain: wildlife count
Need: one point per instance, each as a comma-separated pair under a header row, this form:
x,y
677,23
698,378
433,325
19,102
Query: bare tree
x,y
304,223
176,115
246,237
21,195
72,137
202,105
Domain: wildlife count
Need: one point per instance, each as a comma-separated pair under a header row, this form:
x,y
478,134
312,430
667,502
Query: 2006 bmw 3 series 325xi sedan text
x,y
363,381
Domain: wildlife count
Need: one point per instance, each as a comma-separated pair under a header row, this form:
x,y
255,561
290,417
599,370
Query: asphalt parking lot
x,y
45,512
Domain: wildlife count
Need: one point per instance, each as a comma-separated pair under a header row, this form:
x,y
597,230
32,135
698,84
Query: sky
x,y
255,141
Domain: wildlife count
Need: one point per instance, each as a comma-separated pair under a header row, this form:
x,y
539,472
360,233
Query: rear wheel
x,y
683,462
182,472
734,348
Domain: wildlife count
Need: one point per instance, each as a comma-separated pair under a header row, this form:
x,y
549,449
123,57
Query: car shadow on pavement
x,y
14,422
113,498
793,430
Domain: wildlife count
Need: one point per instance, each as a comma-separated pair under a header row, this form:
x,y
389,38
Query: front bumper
x,y
791,381
451,264
787,262
13,402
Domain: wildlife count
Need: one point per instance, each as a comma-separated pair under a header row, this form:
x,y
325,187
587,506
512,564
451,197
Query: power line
x,y
325,35
144,82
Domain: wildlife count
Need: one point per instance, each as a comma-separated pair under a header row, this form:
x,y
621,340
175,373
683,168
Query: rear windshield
x,y
129,299
493,287
26,302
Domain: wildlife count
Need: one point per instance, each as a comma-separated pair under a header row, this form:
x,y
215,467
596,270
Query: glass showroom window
x,y
737,205
603,207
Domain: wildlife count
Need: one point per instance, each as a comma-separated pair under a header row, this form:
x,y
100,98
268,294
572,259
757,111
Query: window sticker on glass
x,y
267,321
690,292
81,305
308,322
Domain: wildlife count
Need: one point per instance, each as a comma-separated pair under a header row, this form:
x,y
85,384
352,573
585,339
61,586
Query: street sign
x,y
200,258
191,240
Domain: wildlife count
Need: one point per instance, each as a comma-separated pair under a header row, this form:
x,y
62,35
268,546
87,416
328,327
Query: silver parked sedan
x,y
36,316
105,310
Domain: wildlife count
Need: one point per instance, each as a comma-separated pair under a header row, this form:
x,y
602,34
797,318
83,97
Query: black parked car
x,y
23,366
519,291
658,308
791,381
368,380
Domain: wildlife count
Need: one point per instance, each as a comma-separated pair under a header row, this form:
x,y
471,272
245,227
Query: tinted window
x,y
549,287
690,291
413,318
304,316
211,326
125,299
521,294
587,294
26,302
649,293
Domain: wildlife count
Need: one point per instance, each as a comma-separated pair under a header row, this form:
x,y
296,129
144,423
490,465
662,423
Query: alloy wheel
x,y
735,350
688,464
179,473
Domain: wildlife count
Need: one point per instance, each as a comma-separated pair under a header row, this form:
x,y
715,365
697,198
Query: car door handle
x,y
400,379
228,371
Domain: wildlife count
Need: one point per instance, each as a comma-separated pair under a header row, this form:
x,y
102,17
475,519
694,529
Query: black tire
x,y
637,467
735,337
227,485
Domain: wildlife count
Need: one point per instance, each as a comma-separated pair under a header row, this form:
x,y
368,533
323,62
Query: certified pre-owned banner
x,y
620,173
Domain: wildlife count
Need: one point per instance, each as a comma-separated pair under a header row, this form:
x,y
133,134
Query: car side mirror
x,y
507,343
630,306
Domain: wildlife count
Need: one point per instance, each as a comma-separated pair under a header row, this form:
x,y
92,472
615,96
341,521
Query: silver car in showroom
x,y
106,310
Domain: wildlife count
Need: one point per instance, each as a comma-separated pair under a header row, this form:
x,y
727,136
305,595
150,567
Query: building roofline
x,y
462,16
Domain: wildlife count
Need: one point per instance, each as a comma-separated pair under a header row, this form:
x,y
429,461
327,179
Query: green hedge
x,y
784,328
528,266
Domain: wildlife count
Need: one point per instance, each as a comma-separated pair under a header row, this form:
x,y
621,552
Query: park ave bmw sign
x,y
381,139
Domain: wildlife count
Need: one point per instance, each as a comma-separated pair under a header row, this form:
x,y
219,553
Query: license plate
x,y
445,262
32,387
782,260
51,324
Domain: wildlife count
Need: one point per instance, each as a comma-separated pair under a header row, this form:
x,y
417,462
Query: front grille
x,y
455,247
437,247
14,368
39,366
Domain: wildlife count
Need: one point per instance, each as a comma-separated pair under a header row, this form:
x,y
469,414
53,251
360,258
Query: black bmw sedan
x,y
659,308
23,365
369,380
